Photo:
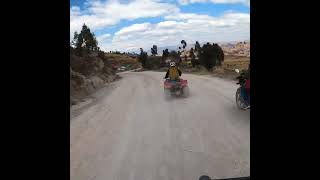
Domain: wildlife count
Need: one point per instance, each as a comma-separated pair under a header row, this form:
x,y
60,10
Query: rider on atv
x,y
244,81
174,85
173,72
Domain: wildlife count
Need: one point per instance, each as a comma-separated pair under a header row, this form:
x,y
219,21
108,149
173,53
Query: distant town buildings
x,y
237,49
231,49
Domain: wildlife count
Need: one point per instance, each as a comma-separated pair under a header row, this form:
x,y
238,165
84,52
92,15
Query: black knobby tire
x,y
204,177
239,99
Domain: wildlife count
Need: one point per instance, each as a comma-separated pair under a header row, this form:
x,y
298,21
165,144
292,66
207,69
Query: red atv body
x,y
179,87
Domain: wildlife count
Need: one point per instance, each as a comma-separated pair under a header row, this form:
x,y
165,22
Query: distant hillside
x,y
237,49
230,48
160,49
124,61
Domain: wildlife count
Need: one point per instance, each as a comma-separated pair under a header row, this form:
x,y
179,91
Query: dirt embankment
x,y
123,62
227,70
87,74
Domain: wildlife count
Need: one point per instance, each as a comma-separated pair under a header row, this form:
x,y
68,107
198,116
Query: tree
x,y
184,45
211,55
154,50
179,55
193,58
90,42
220,55
85,40
197,46
207,56
165,54
175,56
77,42
143,58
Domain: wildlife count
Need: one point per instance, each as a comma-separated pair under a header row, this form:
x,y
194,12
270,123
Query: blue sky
x,y
126,25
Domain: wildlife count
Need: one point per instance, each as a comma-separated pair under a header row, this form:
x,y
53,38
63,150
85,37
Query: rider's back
x,y
173,73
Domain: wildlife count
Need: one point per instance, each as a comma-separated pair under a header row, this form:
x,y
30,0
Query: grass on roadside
x,y
225,71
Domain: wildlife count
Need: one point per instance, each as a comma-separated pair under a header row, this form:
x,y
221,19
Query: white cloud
x,y
187,16
245,2
100,14
167,24
188,26
103,37
176,26
133,28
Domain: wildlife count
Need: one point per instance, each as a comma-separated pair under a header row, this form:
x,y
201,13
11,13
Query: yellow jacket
x,y
173,73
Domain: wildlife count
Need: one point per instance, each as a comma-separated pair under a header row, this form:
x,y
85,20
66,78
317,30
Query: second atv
x,y
177,88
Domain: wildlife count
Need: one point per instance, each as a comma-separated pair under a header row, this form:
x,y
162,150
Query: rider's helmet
x,y
172,64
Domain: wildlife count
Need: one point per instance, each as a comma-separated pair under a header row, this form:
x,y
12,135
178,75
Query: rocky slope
x,y
88,74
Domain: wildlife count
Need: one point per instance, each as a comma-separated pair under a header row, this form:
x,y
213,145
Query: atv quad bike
x,y
176,88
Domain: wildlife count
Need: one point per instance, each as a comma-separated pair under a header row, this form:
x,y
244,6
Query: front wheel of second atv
x,y
185,91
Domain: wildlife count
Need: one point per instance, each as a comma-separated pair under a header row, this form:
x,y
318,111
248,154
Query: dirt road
x,y
133,132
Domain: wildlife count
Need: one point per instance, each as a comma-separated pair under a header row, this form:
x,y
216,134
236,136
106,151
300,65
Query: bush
x,y
165,54
101,55
153,62
210,55
175,56
150,62
154,50
143,59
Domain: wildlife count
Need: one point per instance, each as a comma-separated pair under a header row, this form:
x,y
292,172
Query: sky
x,y
127,25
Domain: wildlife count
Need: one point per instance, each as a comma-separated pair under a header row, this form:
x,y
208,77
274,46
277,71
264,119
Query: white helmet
x,y
172,64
